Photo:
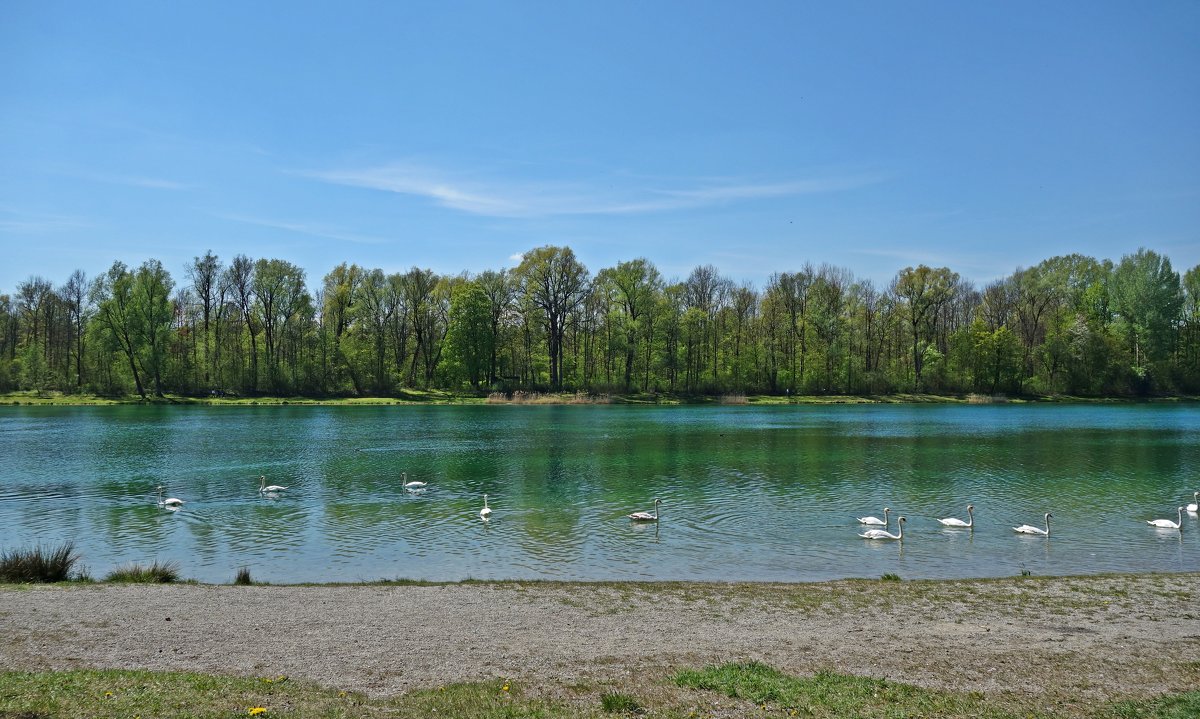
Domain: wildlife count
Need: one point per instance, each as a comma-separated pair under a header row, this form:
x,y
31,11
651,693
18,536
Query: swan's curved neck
x,y
971,518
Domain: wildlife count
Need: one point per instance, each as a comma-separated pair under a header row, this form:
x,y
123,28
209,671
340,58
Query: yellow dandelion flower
x,y
341,695
255,711
107,694
505,687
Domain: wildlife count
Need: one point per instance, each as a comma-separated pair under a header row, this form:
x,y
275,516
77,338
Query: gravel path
x,y
1074,639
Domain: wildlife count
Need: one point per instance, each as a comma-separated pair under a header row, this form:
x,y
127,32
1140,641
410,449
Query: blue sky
x,y
755,136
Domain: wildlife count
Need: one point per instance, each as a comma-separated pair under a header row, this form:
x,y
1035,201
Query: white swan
x,y
647,516
486,512
956,522
411,485
264,488
169,501
1030,529
1194,506
1166,523
876,520
884,534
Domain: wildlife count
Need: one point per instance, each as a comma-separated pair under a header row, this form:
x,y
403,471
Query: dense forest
x,y
1070,325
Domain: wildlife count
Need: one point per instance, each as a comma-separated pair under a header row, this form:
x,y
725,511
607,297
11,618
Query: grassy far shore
x,y
442,397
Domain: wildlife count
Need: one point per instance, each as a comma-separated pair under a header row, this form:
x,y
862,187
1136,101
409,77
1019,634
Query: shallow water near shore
x,y
749,493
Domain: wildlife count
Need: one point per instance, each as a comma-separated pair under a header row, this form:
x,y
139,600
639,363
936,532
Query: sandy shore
x,y
1073,639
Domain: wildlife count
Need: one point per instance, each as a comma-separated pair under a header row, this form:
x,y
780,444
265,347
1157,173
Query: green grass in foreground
x,y
179,695
837,695
176,695
834,695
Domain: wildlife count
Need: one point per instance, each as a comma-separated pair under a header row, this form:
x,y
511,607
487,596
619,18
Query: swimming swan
x,y
264,488
876,520
169,501
884,534
956,522
411,485
486,512
1029,529
1166,523
646,516
1194,506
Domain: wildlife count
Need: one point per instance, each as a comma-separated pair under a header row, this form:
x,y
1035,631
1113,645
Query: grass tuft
x,y
38,564
828,694
1178,706
891,577
614,702
243,577
156,573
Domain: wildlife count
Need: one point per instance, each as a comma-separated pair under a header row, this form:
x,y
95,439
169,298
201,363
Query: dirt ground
x,y
1064,640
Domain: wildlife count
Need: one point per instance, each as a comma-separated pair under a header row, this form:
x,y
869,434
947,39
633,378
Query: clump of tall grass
x,y
38,564
613,702
156,573
243,577
733,399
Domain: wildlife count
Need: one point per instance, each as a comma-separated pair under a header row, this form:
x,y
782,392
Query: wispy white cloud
x,y
493,198
311,229
151,183
21,223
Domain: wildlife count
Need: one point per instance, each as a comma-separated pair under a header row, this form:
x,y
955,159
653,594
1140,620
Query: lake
x,y
749,493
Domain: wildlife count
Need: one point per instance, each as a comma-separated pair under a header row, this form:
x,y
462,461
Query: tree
x,y
152,315
205,274
75,295
278,288
1147,298
377,303
419,286
500,290
112,293
240,278
340,291
924,290
469,339
555,282
637,283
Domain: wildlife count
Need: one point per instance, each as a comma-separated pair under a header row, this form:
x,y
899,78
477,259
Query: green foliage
x,y
1072,325
833,695
184,695
35,373
38,564
615,702
155,573
1180,706
242,578
469,338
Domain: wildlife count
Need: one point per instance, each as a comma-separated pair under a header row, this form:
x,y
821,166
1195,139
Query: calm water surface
x,y
748,493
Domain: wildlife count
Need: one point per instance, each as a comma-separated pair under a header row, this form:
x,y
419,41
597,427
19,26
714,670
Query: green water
x,y
748,493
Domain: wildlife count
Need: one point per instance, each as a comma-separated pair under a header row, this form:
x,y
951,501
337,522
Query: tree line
x,y
1072,324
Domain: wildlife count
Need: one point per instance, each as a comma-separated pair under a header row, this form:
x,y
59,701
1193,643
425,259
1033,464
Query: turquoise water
x,y
749,493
